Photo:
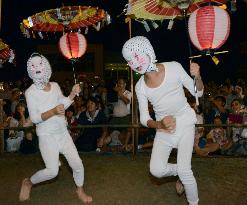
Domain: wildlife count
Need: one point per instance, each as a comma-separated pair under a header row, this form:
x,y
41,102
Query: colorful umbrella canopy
x,y
64,19
163,9
6,54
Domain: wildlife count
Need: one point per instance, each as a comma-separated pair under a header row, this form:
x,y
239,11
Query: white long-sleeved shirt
x,y
120,108
168,98
40,101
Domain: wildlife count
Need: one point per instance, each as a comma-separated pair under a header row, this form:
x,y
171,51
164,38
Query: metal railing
x,y
134,127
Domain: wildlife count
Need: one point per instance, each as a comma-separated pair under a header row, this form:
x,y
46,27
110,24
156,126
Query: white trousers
x,y
183,139
50,146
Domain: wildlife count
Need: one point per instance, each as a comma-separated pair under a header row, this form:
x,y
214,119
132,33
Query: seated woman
x,y
239,134
91,138
19,119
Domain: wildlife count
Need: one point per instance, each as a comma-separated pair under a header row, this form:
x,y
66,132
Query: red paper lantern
x,y
73,45
209,27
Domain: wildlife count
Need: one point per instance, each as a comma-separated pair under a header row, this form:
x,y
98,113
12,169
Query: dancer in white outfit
x,y
162,84
46,106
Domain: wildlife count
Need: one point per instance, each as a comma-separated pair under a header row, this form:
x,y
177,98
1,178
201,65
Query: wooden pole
x,y
134,113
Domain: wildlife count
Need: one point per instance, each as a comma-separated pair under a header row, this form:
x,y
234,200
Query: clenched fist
x,y
59,110
168,124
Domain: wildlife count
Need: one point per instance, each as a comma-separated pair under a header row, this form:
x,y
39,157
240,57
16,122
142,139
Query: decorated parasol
x,y
159,10
164,9
6,54
65,19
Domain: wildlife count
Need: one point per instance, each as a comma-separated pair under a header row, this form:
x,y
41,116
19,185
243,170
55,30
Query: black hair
x,y
223,99
236,100
93,99
17,114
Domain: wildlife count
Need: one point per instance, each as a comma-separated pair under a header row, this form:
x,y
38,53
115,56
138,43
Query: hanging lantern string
x,y
73,68
190,54
72,59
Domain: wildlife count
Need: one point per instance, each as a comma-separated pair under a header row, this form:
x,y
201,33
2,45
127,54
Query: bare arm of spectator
x,y
124,98
103,137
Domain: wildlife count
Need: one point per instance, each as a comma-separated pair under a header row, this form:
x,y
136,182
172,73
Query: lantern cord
x,y
190,54
188,37
73,68
72,60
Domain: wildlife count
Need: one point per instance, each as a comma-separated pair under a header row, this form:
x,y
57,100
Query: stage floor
x,y
119,180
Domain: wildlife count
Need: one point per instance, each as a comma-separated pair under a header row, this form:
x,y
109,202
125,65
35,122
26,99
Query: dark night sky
x,y
169,45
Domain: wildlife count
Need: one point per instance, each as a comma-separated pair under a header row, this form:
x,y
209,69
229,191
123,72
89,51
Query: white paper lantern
x,y
209,27
73,45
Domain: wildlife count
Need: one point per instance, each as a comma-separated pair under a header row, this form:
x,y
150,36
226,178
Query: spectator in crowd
x,y
87,90
102,93
121,111
7,116
241,83
19,119
237,117
239,134
218,109
92,138
239,92
72,121
226,90
15,98
215,140
66,87
79,105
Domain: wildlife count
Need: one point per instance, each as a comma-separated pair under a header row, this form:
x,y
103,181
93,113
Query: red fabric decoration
x,y
209,27
73,45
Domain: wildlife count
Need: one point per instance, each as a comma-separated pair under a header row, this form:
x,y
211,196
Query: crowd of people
x,y
109,103
222,104
89,108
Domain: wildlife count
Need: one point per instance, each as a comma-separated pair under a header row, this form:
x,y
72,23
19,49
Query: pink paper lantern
x,y
209,27
73,45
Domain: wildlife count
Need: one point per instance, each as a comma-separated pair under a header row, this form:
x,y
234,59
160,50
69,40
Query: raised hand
x,y
76,89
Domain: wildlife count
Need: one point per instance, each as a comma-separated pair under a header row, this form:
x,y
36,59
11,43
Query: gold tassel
x,y
215,60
